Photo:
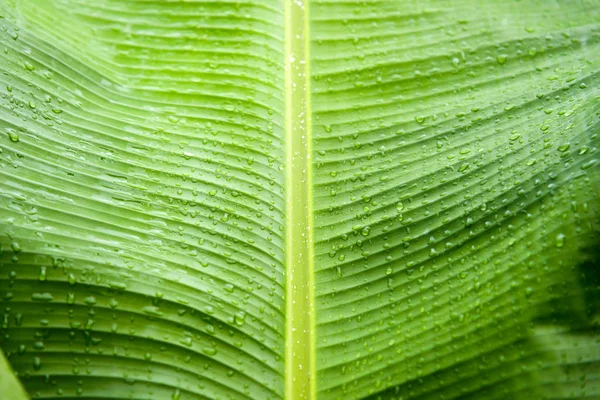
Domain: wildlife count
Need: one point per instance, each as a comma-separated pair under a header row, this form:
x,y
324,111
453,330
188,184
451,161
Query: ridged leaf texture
x,y
268,199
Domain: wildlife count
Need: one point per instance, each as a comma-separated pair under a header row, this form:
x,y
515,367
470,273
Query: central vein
x,y
300,347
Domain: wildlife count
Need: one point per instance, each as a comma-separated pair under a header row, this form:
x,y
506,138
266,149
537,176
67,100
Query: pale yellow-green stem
x,y
300,368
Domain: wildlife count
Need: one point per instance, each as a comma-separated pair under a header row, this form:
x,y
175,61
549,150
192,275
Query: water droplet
x,y
240,318
560,240
209,351
37,363
42,297
564,147
229,288
152,311
90,301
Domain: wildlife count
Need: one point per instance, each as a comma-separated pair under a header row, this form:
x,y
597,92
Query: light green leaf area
x,y
143,203
198,196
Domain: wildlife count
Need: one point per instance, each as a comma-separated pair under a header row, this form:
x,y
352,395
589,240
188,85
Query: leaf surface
x,y
273,199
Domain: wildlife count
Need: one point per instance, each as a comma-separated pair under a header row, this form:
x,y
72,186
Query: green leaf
x,y
330,199
9,384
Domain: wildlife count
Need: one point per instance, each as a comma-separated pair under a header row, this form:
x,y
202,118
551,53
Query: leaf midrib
x,y
299,340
